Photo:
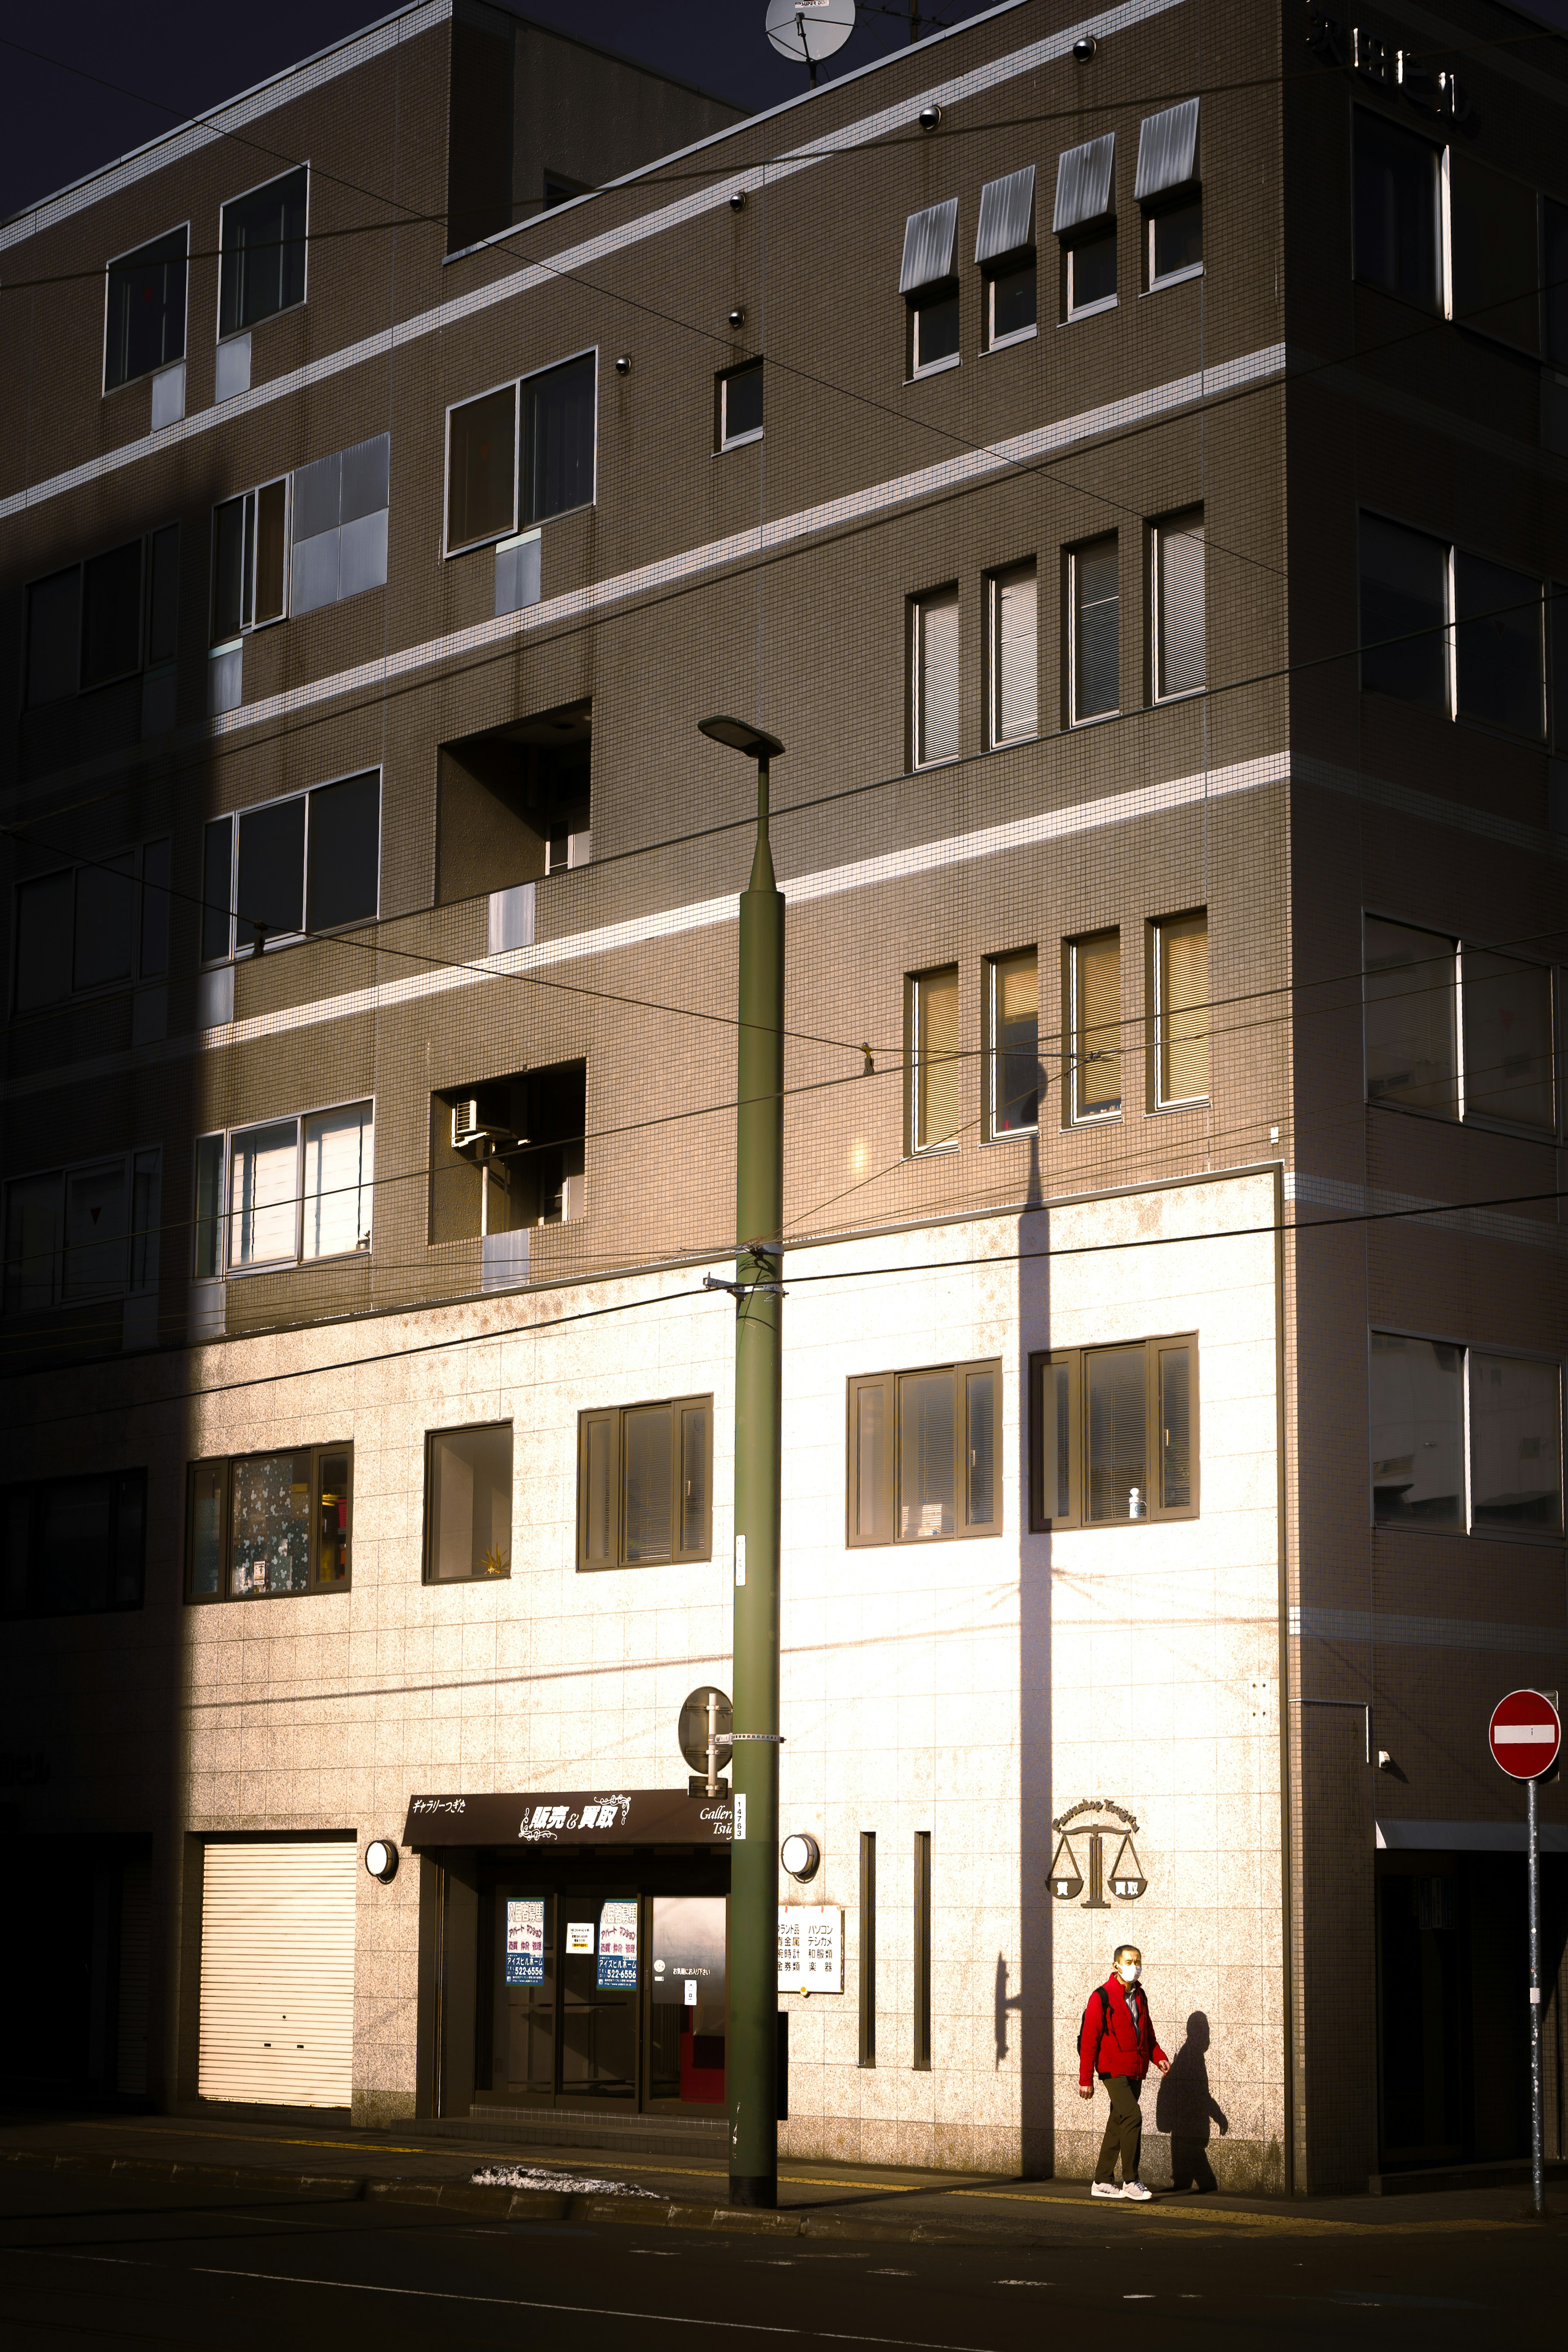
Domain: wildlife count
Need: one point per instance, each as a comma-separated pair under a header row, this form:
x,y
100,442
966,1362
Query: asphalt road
x,y
87,2261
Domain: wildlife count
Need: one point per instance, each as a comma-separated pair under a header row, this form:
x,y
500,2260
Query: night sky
x,y
83,83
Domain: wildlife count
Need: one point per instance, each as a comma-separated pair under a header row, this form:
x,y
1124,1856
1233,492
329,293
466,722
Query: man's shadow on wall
x,y
1186,2109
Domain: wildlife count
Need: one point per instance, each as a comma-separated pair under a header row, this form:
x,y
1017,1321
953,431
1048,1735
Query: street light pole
x,y
751,2054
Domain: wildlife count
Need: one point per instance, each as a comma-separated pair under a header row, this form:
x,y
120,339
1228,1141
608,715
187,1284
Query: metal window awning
x,y
574,1817
1084,183
1167,151
1006,215
930,239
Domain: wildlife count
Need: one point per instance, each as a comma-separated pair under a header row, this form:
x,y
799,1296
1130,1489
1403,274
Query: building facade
x,y
1126,461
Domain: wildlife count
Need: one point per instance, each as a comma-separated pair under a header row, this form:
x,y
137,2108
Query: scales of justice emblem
x,y
1089,1825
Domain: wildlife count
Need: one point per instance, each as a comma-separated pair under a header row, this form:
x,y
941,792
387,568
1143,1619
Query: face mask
x,y
1129,1971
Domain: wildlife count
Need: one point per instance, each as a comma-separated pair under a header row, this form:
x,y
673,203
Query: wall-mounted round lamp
x,y
928,117
738,201
800,1854
624,365
737,317
380,1859
1084,47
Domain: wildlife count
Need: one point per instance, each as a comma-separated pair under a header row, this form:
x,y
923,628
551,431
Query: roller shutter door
x,y
277,1972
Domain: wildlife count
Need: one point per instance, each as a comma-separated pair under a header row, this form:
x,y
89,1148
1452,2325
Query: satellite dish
x,y
809,30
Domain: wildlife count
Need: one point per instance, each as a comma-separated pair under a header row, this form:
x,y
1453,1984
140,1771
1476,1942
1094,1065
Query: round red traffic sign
x,y
1526,1734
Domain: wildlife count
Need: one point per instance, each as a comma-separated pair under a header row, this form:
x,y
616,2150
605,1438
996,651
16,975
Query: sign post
x,y
1526,1739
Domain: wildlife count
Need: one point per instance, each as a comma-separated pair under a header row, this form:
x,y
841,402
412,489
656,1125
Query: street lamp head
x,y
741,736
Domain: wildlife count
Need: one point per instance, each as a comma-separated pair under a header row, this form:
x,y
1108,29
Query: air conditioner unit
x,y
466,1126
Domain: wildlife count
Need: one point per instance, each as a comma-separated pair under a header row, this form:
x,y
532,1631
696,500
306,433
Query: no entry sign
x,y
1526,1735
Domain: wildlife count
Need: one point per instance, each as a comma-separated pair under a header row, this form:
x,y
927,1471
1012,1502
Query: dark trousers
x,y
1123,2130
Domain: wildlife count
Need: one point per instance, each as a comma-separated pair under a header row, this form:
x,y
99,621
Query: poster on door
x,y
525,1940
618,1947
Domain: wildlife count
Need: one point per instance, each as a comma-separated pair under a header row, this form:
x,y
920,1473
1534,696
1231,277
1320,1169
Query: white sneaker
x,y
1109,2189
1136,2192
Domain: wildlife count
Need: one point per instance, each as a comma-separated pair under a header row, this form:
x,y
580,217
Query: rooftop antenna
x,y
809,30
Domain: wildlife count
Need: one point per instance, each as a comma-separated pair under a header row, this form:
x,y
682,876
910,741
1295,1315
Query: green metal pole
x,y
752,2051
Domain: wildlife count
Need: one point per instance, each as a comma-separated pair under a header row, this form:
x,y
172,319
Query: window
x,y
1397,202
645,1474
934,1065
1404,613
538,433
1085,223
100,926
73,1547
301,1188
250,561
104,619
515,803
934,680
1496,1470
266,1524
741,404
1013,1106
1554,276
146,319
468,1504
75,1234
1005,252
312,863
1494,244
1423,992
1113,1434
1014,655
338,517
1498,647
925,1455
481,470
1412,999
1094,652
929,284
1167,188
507,1153
263,266
1178,617
1182,1010
1094,992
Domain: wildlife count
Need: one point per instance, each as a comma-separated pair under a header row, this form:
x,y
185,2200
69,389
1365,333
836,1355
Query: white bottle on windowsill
x,y
1136,1507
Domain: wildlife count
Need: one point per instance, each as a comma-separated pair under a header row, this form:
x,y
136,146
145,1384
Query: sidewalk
x,y
866,2202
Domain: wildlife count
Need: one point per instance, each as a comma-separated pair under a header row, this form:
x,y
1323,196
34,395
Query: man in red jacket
x,y
1117,2042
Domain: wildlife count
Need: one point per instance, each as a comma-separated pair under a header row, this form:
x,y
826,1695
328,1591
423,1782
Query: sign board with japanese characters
x,y
618,1946
811,1948
577,1817
525,1939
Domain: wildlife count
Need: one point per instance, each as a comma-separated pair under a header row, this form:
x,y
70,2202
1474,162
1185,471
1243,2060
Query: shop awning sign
x,y
577,1817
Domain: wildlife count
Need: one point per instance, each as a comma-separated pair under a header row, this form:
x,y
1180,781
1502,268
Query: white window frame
x,y
917,606
920,369
1156,603
247,590
991,1132
1109,1112
1154,281
144,1158
515,384
994,582
1486,1122
728,440
238,198
1464,1349
1076,311
108,267
917,1150
235,816
1160,924
993,341
1074,555
226,1270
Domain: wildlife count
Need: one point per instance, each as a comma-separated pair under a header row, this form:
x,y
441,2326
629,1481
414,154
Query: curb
x,y
514,2204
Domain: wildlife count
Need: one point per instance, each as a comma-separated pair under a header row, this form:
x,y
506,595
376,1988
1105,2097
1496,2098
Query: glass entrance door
x,y
687,1990
526,1980
599,1939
